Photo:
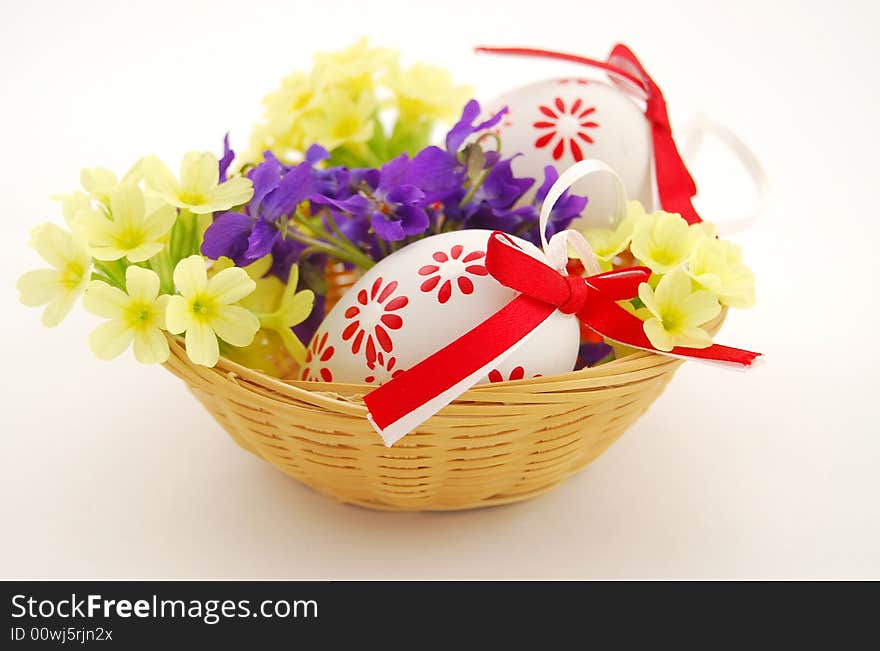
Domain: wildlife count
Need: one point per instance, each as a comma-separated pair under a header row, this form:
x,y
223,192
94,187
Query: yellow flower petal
x,y
39,287
178,316
673,289
230,285
236,191
658,336
150,346
52,243
700,307
201,344
110,339
646,294
296,307
694,337
293,345
199,173
144,251
235,325
72,204
159,222
159,178
97,181
99,229
107,253
102,299
58,308
190,275
141,284
127,205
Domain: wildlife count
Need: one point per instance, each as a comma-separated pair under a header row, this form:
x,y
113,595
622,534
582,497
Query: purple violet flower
x,y
398,206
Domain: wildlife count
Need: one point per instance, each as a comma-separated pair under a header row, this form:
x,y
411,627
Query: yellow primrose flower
x,y
127,231
427,92
277,305
293,308
717,265
341,119
204,309
664,241
282,108
199,189
354,67
137,315
677,312
99,181
607,243
59,287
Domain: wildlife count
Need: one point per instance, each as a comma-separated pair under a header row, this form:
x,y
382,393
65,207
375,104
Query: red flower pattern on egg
x,y
567,125
372,318
384,369
452,267
518,373
318,354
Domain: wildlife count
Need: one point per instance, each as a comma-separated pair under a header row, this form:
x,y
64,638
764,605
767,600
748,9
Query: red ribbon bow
x,y
435,381
675,186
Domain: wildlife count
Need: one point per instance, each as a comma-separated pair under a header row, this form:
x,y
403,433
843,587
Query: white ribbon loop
x,y
556,249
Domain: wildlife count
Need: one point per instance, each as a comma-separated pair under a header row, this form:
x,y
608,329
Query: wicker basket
x,y
496,444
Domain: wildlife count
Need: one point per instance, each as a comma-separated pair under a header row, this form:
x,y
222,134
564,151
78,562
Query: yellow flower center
x,y
72,275
664,256
129,239
192,198
346,127
672,320
203,307
140,315
301,102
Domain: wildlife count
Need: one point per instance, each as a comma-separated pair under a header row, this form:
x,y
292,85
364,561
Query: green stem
x,y
476,186
115,272
161,264
355,257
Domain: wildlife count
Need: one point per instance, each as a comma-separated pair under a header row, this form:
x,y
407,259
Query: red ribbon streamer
x,y
675,186
543,291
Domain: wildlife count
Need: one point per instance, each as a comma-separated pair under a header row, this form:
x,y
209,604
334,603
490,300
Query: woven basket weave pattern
x,y
498,443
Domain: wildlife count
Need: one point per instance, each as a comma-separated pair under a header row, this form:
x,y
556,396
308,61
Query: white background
x,y
111,470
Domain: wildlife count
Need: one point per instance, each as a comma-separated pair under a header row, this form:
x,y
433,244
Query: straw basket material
x,y
496,444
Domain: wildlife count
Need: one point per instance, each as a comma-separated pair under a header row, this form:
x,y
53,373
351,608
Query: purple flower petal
x,y
266,176
394,172
389,230
228,236
405,194
413,220
463,129
435,170
294,188
226,161
315,154
550,177
356,205
260,241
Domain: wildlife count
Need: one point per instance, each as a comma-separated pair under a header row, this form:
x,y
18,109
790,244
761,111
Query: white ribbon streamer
x,y
693,135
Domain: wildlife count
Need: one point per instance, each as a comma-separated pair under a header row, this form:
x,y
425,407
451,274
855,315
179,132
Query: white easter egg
x,y
420,299
562,121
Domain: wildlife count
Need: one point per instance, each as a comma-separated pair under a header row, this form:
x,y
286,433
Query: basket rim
x,y
337,394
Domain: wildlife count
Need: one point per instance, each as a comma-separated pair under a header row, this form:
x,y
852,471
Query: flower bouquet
x,y
387,309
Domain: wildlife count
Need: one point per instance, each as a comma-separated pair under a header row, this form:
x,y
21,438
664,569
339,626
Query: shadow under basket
x,y
496,444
